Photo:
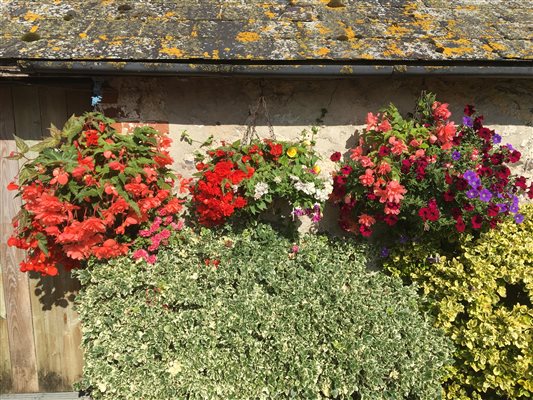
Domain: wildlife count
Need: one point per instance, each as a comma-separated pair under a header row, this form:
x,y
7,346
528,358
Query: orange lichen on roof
x,y
34,28
322,29
463,46
424,21
83,35
393,50
246,37
29,16
323,51
102,37
171,51
169,14
396,30
493,46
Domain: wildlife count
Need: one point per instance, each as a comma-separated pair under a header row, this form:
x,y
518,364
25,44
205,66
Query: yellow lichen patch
x,y
396,30
409,8
267,28
170,14
226,49
393,50
366,56
424,21
216,55
350,34
194,33
106,2
206,54
359,21
55,48
270,14
96,41
29,16
346,70
115,43
325,1
169,37
323,51
83,35
323,30
469,7
251,21
461,47
34,28
497,46
246,37
171,51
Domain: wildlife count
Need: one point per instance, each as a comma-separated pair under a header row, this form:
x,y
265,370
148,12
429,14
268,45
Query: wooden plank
x,y
15,283
78,101
26,112
56,327
53,107
5,360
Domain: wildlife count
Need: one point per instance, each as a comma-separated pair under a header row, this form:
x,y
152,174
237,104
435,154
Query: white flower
x,y
235,188
277,179
261,188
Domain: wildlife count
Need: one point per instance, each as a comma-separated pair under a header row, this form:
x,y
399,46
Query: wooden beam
x,y
16,289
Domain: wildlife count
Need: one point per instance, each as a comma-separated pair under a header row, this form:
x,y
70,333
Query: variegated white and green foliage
x,y
265,323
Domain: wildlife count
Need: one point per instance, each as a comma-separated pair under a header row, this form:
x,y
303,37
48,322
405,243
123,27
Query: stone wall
x,y
220,106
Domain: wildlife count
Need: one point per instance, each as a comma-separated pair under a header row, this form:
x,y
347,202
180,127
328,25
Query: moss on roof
x,y
288,30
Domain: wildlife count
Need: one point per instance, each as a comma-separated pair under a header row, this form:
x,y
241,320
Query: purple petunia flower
x,y
298,212
456,155
467,121
485,195
519,218
510,146
503,207
472,193
469,174
496,139
514,208
384,252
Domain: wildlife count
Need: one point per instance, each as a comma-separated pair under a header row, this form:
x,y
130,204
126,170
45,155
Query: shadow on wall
x,y
307,102
55,291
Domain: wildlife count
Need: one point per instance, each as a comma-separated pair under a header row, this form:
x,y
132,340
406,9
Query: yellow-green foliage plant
x,y
482,297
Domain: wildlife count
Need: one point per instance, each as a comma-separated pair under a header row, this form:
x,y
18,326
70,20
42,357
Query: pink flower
x,y
385,126
420,153
356,153
391,210
432,139
366,161
384,168
414,143
367,179
366,220
392,193
141,253
371,121
398,147
445,134
440,111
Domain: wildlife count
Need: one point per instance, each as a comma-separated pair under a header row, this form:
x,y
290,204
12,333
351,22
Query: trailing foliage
x,y
482,297
250,314
88,190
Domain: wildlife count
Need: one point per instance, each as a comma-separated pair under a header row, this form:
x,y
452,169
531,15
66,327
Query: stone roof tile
x,y
282,30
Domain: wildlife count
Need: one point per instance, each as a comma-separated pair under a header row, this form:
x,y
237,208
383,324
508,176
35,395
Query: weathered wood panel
x,y
40,333
56,325
15,285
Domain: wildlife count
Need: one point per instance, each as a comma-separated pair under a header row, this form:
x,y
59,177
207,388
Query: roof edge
x,y
195,68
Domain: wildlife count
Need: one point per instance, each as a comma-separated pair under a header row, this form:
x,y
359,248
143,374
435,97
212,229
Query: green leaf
x,y
185,137
208,142
21,145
